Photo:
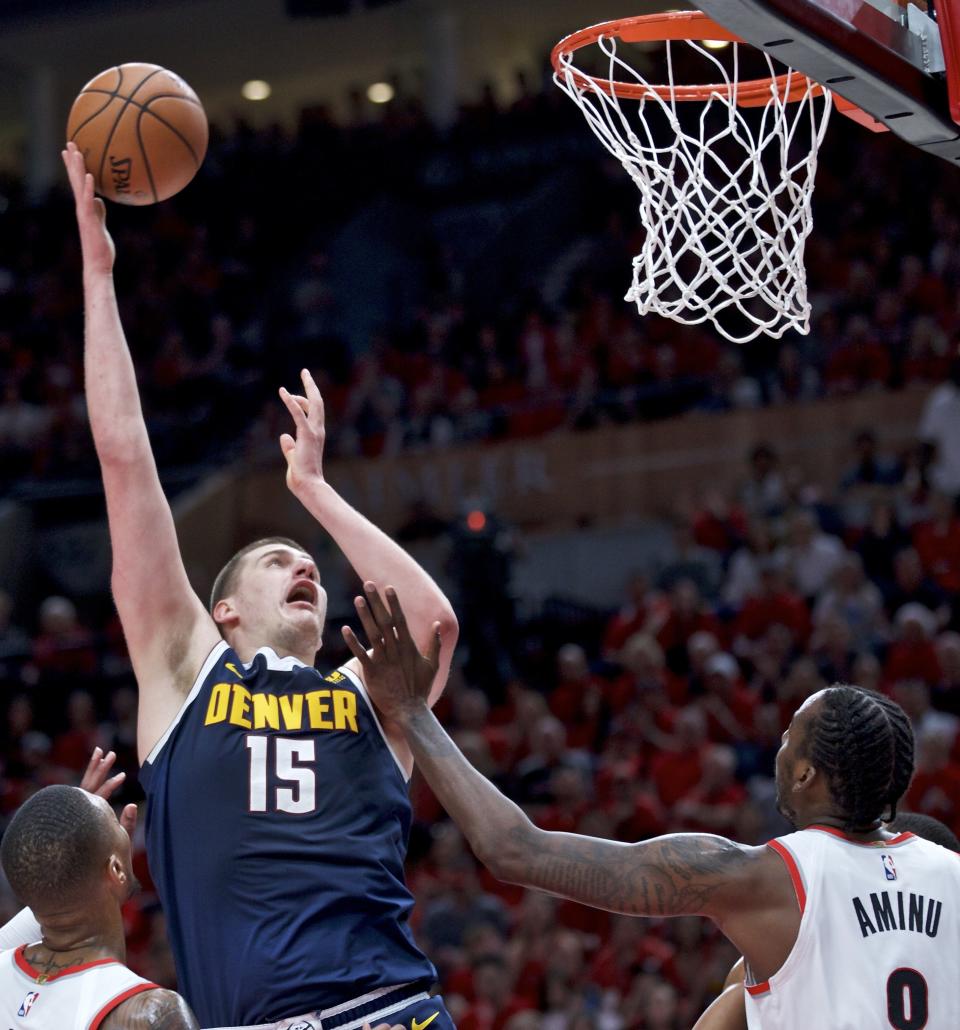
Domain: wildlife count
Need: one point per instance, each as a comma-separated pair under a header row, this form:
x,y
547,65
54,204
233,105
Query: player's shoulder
x,y
347,674
156,1009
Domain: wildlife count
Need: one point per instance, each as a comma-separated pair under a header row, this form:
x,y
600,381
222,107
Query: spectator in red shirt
x,y
728,704
947,690
644,674
678,770
792,690
630,619
712,805
577,698
493,1002
774,603
912,655
686,615
935,788
72,748
63,647
937,542
719,525
859,363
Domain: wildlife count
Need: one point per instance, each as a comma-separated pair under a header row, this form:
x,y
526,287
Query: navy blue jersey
x,y
276,830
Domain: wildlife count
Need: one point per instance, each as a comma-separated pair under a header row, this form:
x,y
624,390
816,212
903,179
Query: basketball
x,y
142,132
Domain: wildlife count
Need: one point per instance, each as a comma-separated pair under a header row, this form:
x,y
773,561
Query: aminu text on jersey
x,y
276,832
878,937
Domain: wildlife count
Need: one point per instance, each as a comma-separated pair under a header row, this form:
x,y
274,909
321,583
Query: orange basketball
x,y
142,132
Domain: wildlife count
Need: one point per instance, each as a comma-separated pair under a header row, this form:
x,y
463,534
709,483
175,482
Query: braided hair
x,y
863,743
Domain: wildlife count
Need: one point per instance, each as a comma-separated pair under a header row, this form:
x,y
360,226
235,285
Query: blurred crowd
x,y
230,288
662,712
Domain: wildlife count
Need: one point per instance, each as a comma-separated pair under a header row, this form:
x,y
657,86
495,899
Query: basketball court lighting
x,y
715,44
256,89
380,93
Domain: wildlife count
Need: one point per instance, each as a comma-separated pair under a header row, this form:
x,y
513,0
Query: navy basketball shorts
x,y
395,1007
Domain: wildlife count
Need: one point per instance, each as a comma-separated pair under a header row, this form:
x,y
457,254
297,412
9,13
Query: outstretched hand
x,y
95,242
305,453
397,676
97,780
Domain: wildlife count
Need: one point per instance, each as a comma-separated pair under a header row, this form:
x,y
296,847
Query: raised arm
x,y
152,1010
167,629
745,890
371,553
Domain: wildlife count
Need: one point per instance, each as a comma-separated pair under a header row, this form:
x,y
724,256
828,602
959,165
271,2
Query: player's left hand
x,y
397,676
97,780
305,453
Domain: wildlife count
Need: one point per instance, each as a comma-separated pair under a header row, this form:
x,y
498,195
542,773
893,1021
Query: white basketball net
x,y
724,198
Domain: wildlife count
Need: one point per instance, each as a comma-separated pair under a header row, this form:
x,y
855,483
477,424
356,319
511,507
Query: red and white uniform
x,y
879,937
78,998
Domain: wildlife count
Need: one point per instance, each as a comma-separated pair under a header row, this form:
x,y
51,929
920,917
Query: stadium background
x,y
658,543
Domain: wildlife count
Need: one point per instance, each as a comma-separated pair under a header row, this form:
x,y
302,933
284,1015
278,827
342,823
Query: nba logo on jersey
x,y
28,1003
889,869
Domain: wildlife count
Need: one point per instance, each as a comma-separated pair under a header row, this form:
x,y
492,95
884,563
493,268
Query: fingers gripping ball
x,y
142,132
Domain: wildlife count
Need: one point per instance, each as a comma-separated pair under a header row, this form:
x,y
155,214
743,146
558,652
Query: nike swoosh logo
x,y
414,1025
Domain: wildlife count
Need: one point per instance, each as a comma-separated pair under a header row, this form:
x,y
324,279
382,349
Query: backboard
x,y
897,61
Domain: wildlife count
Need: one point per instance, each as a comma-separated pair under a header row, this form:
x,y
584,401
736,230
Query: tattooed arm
x,y
679,874
152,1010
745,890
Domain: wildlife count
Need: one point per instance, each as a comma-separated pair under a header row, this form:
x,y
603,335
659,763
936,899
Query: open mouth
x,y
304,591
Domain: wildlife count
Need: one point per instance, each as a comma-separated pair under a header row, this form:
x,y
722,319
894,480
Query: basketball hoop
x,y
724,197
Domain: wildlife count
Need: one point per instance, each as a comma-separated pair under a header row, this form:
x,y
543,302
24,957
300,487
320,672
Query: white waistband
x,y
314,1020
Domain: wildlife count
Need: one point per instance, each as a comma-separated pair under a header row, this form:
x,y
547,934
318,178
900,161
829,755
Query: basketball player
x,y
843,924
23,928
278,805
68,858
729,1011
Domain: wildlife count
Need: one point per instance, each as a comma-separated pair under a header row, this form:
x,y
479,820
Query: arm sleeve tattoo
x,y
680,874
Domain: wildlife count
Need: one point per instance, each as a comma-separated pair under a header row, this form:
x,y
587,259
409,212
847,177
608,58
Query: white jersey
x,y
879,938
79,998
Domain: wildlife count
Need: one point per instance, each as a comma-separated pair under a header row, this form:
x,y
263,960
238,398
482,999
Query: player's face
x,y
119,844
792,748
279,598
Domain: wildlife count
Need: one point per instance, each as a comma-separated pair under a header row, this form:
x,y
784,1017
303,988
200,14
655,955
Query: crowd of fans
x,y
228,290
662,713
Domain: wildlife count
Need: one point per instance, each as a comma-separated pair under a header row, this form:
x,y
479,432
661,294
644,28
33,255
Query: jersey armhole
x,y
116,1002
215,654
796,877
362,690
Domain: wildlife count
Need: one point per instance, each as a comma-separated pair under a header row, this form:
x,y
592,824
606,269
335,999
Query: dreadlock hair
x,y
863,743
226,579
54,846
927,827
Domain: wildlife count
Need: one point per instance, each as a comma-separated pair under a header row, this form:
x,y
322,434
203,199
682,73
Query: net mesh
x,y
724,191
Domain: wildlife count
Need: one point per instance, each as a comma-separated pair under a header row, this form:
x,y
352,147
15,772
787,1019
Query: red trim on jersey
x,y
118,1001
754,989
793,870
899,839
35,974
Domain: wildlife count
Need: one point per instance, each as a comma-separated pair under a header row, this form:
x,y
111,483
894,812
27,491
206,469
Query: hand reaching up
x,y
397,676
95,242
97,780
